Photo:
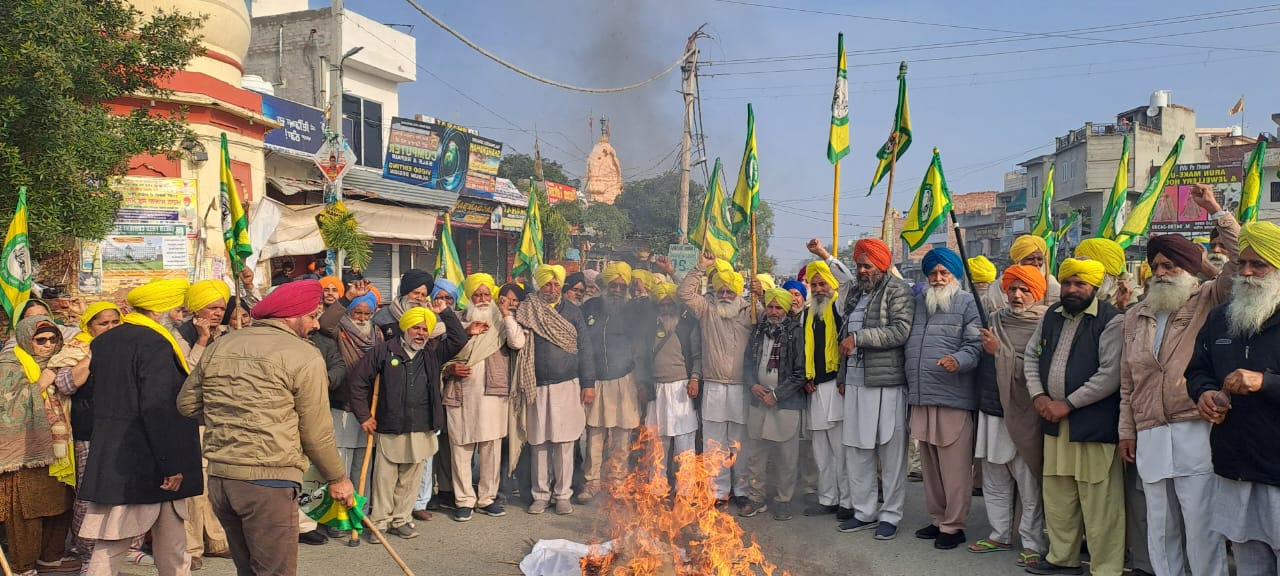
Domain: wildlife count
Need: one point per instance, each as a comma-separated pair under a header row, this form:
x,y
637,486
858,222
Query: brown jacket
x,y
1153,390
263,392
724,340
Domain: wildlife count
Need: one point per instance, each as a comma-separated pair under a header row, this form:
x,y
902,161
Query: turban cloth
x,y
159,295
1110,254
89,312
414,278
367,299
548,272
778,296
1144,273
645,277
983,271
448,287
1027,245
1182,252
573,280
590,276
335,282
1091,271
512,288
477,281
725,277
292,300
766,281
944,256
664,291
820,269
1029,275
876,251
615,270
798,286
415,316
1202,241
1264,238
204,293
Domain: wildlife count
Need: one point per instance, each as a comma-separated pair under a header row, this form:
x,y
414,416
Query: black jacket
x,y
988,387
339,392
409,393
139,438
615,336
1247,441
552,365
1097,422
791,380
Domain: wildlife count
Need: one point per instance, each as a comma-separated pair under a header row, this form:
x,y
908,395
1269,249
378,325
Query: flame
x,y
656,533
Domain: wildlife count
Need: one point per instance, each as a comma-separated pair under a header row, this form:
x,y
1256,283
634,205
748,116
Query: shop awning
x,y
362,183
296,232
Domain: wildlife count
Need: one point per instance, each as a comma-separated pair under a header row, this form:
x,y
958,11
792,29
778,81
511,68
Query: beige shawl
x,y
1014,331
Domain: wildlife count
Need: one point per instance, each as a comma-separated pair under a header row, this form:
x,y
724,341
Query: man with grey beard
x,y
821,322
1234,377
1217,252
1160,429
942,352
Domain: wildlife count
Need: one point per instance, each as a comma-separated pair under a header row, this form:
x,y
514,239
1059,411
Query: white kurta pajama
x,y
724,425
826,424
1003,471
1176,467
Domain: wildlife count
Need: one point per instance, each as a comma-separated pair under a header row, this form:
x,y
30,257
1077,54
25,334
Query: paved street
x,y
804,546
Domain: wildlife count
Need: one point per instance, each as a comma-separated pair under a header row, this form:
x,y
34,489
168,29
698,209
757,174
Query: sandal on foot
x,y
140,558
988,545
1027,557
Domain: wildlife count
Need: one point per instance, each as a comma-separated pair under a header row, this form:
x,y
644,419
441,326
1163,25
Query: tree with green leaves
x,y
519,167
63,59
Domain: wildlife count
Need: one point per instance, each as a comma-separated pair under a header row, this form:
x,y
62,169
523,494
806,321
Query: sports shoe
x,y
495,509
843,514
886,531
946,541
751,508
538,507
782,511
1046,567
461,514
820,510
564,508
854,525
313,538
403,531
65,565
928,532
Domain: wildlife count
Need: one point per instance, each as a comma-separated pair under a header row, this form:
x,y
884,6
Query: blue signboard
x,y
303,129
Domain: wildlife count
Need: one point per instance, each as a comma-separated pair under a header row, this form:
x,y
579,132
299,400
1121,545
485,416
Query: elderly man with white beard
x,y
1160,428
477,386
822,324
726,320
1234,376
1217,252
1028,250
942,352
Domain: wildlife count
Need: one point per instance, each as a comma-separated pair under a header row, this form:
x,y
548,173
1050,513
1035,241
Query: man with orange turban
x,y
1072,367
878,312
1028,250
1009,441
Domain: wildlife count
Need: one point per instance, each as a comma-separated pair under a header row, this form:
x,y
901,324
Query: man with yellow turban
x,y
726,324
774,374
614,321
821,321
409,409
1072,367
983,273
1115,288
878,312
674,366
1163,441
145,462
1028,250
477,386
556,378
1009,441
1233,379
207,303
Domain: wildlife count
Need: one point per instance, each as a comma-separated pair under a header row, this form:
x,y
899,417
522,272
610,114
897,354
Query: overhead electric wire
x,y
543,79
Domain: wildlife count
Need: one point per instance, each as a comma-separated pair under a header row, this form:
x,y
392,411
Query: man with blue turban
x,y
942,353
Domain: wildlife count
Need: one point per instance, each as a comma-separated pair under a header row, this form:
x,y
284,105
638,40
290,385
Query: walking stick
x,y
4,563
368,453
383,540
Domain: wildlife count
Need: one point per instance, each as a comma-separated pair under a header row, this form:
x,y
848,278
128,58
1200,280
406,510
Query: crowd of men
x,y
1142,415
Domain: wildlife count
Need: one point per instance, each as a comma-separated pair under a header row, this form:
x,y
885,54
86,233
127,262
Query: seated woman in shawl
x,y
32,502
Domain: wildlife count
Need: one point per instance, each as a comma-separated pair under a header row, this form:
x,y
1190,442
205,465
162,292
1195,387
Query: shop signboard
x,y
303,130
557,192
486,155
471,214
437,154
153,236
1177,213
165,205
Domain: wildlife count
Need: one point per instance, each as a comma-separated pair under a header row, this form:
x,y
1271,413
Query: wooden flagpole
x,y
888,195
368,453
4,563
382,539
754,265
835,213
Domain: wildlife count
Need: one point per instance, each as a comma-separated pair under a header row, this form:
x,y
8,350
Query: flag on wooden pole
x,y
929,209
16,270
899,138
529,254
235,224
838,138
1111,219
1139,220
1248,210
746,194
713,233
1043,226
447,264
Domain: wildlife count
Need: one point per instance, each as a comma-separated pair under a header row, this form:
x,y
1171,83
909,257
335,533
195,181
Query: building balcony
x,y
1090,130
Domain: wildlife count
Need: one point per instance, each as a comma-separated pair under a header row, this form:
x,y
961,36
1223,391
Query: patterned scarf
x,y
776,332
26,434
354,342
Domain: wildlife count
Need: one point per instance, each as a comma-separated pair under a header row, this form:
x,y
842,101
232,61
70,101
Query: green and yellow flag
x,y
1248,210
529,254
235,224
1111,221
746,195
899,138
447,264
1043,226
929,210
15,272
838,139
329,512
713,233
1066,226
1139,220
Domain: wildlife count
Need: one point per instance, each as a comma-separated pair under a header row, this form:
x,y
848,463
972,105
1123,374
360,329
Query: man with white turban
x,y
726,324
556,374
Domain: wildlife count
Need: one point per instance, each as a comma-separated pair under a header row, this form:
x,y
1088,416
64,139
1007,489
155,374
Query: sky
x,y
991,83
